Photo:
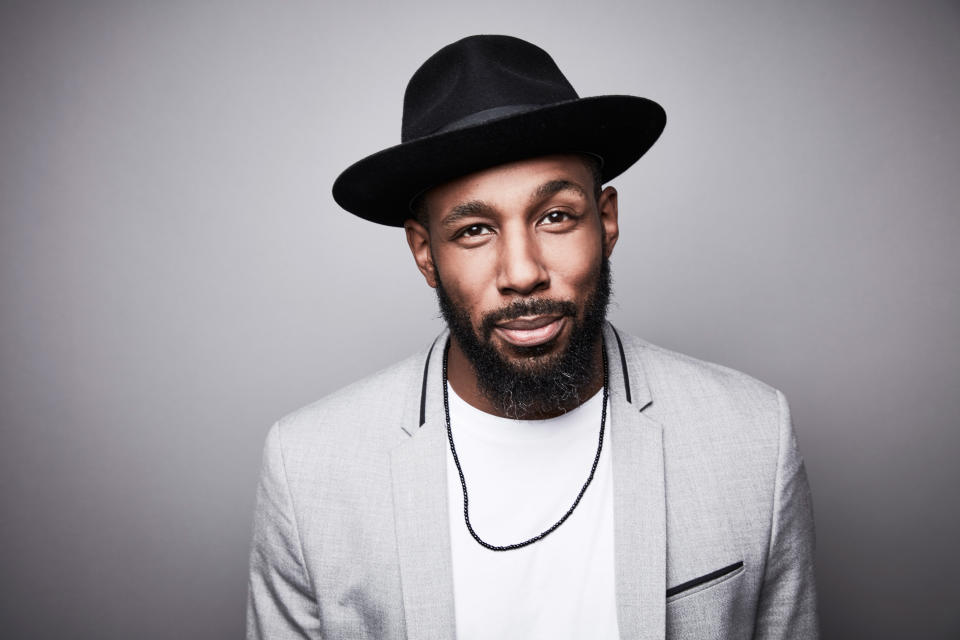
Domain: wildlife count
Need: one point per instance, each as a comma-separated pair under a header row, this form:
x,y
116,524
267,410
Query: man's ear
x,y
418,239
607,207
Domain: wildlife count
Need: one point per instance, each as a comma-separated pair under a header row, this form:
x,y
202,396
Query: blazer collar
x,y
639,496
419,475
418,468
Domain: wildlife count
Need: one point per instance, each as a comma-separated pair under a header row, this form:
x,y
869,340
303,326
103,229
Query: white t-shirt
x,y
522,476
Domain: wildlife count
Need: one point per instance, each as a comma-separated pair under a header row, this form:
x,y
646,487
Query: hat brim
x,y
619,129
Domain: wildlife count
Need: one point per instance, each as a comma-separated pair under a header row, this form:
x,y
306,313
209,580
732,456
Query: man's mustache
x,y
526,307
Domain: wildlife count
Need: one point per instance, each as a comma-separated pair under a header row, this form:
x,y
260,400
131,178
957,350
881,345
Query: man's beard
x,y
534,384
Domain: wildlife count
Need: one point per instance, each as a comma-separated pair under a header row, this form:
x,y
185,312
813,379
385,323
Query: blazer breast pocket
x,y
705,582
713,603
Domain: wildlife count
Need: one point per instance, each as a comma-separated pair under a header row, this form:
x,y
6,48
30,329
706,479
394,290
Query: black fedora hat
x,y
488,100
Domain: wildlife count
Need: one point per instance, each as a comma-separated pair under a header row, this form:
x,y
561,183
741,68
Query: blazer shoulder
x,y
673,363
370,407
683,385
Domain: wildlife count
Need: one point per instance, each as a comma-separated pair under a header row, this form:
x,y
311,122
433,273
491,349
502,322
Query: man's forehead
x,y
529,178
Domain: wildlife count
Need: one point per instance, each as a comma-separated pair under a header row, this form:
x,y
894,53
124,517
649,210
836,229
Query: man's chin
x,y
530,359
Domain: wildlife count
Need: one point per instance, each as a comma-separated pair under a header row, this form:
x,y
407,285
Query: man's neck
x,y
463,378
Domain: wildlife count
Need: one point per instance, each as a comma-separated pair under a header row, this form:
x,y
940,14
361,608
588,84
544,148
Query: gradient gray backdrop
x,y
175,274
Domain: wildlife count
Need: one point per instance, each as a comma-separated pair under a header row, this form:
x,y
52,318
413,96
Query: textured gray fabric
x,y
351,534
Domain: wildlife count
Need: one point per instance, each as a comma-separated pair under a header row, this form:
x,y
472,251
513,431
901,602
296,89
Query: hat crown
x,y
486,74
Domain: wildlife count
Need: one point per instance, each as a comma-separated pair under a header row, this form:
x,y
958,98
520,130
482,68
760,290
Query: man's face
x,y
518,256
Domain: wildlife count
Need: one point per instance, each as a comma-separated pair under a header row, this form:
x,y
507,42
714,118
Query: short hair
x,y
594,164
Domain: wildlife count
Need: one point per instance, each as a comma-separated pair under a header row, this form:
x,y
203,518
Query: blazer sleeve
x,y
280,601
788,598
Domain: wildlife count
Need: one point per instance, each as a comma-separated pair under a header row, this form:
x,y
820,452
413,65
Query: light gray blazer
x,y
712,516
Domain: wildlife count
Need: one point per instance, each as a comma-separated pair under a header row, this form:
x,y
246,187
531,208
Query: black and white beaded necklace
x,y
463,481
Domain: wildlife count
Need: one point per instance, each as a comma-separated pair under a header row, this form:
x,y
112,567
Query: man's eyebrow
x,y
481,208
466,210
552,187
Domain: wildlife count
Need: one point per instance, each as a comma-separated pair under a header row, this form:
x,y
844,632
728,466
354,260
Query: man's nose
x,y
521,269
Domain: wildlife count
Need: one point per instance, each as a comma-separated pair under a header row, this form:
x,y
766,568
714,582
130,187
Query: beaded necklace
x,y
463,481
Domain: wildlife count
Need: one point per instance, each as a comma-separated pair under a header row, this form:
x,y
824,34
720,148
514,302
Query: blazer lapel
x,y
418,468
639,499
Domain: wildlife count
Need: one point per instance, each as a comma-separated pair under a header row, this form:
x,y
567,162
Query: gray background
x,y
175,275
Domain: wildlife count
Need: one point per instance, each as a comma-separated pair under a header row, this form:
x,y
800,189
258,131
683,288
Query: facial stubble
x,y
535,383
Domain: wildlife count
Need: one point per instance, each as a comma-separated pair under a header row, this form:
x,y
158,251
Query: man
x,y
534,473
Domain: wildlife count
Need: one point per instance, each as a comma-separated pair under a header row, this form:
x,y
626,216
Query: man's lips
x,y
530,331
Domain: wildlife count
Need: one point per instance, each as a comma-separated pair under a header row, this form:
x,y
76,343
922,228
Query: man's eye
x,y
555,217
475,230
